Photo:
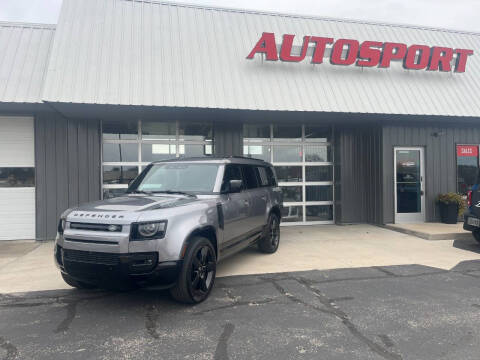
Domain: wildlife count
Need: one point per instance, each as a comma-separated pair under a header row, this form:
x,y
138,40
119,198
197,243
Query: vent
x,y
96,227
91,257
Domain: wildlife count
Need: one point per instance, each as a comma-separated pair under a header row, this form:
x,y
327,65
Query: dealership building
x,y
364,122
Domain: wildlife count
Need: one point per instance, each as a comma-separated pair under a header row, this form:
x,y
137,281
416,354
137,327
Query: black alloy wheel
x,y
271,237
197,276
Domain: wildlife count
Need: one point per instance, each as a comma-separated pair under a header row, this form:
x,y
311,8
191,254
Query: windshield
x,y
181,177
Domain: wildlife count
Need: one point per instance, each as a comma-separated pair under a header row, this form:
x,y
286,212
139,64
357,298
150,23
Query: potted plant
x,y
452,206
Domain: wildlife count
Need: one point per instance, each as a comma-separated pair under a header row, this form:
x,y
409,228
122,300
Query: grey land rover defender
x,y
177,219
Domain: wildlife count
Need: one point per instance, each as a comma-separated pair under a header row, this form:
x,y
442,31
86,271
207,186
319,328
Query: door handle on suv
x,y
263,197
246,202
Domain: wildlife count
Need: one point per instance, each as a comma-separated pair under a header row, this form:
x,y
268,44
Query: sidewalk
x,y
29,266
433,231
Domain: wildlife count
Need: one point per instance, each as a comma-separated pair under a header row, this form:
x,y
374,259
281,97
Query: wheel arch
x,y
208,231
276,210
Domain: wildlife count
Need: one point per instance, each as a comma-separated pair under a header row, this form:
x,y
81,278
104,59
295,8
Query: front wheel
x,y
270,240
197,276
476,235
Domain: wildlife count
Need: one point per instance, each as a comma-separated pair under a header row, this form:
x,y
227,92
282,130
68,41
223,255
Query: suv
x,y
177,219
471,217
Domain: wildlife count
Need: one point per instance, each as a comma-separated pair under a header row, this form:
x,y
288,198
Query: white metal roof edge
x,y
27,25
303,16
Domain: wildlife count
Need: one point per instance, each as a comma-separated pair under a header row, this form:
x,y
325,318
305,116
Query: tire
x,y
476,235
197,276
270,240
77,284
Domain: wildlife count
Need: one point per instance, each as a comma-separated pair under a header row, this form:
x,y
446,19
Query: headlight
x,y
61,225
149,230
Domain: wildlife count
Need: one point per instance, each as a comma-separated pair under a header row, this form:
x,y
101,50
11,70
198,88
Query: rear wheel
x,y
270,240
197,276
77,284
476,235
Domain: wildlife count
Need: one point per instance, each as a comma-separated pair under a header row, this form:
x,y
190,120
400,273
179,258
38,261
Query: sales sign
x,y
467,150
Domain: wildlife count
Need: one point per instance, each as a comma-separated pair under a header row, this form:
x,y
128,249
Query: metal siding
x,y
67,155
440,160
164,54
24,53
228,139
358,173
40,179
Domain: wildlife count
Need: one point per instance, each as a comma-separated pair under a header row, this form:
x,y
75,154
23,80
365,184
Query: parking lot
x,y
354,292
394,312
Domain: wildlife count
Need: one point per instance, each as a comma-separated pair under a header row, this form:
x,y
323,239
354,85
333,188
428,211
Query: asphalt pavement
x,y
389,312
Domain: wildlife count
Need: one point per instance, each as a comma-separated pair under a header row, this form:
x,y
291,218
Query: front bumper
x,y
114,270
466,225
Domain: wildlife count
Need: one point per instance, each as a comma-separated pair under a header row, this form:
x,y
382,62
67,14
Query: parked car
x,y
176,221
471,216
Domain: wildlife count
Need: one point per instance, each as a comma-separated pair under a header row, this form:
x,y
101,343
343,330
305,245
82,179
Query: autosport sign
x,y
365,54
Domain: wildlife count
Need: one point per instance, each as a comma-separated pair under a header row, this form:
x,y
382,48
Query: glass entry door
x,y
409,185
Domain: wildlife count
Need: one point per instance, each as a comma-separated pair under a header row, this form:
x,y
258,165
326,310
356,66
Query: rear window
x,y
272,180
262,176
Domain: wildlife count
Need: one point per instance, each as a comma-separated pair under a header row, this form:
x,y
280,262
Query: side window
x,y
250,177
272,180
262,174
232,172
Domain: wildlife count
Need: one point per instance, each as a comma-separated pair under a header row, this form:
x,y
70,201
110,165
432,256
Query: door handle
x,y
263,197
246,202
422,192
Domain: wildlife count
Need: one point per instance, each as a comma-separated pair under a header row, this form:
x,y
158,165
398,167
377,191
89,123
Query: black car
x,y
472,215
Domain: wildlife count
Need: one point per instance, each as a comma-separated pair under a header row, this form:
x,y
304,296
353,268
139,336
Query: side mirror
x,y
235,186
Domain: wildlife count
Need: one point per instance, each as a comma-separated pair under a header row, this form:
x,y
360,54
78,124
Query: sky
x,y
458,14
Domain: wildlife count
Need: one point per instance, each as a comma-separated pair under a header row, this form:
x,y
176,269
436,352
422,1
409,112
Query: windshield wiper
x,y
173,192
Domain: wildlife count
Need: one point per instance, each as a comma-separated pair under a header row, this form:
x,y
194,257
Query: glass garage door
x,y
303,160
128,146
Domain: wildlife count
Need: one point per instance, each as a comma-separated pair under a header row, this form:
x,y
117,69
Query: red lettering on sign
x,y
286,50
417,57
441,59
368,54
266,45
461,62
392,51
369,57
320,46
467,150
352,52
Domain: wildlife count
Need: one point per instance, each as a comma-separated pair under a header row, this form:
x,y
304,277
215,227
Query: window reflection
x,y
17,177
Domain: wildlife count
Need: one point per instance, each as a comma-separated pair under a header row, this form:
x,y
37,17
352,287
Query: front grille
x,y
91,257
95,227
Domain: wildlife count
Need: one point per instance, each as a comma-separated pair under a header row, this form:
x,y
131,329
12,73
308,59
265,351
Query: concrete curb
x,y
427,236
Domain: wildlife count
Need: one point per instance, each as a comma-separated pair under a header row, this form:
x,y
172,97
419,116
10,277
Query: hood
x,y
136,203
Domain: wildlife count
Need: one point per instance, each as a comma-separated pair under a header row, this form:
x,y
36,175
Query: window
x,y
250,177
272,181
467,167
180,177
302,156
17,177
128,146
232,172
262,173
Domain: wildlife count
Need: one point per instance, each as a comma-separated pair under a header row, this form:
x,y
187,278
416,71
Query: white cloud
x,y
461,15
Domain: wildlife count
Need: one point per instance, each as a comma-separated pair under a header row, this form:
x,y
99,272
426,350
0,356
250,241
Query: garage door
x,y
17,178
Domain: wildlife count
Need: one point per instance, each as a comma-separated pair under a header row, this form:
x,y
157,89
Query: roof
x,y
24,53
212,159
144,53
